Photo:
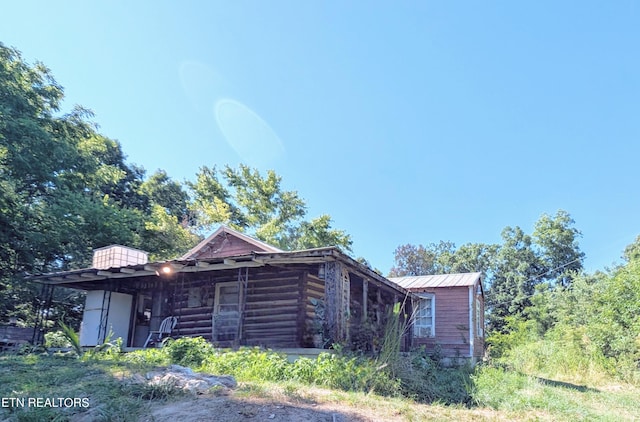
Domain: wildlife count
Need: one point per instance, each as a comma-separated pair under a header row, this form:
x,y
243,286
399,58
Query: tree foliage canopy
x,y
66,189
511,269
247,201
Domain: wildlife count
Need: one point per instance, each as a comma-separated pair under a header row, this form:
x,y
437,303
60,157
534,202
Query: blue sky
x,y
407,122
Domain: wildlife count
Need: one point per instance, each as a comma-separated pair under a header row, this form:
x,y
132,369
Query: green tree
x,y
412,260
632,251
604,308
558,246
165,237
65,189
248,201
212,203
474,257
614,326
517,270
443,257
314,234
169,194
511,269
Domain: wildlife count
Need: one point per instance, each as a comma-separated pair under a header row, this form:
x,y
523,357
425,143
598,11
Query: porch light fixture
x,y
164,270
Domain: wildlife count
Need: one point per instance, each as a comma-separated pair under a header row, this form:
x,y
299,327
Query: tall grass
x,y
351,373
97,379
564,353
421,376
560,372
414,375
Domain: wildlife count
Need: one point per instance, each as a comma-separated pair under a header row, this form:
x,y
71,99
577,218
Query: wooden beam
x,y
365,298
222,266
379,305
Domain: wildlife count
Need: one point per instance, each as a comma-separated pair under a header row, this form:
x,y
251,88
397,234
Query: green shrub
x,y
248,364
147,358
516,332
353,373
56,339
188,351
424,379
497,388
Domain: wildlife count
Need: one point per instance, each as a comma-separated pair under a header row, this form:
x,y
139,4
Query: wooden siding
x,y
195,314
224,245
278,311
451,321
272,306
314,290
271,310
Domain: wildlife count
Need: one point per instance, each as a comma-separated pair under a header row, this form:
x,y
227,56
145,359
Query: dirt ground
x,y
228,407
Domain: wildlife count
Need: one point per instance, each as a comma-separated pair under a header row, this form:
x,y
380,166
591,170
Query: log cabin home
x,y
448,313
234,290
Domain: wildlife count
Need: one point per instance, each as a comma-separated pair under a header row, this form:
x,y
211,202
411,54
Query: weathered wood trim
x,y
471,324
379,306
332,304
365,299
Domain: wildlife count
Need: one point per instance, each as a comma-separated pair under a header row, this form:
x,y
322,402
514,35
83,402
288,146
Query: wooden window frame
x,y
479,317
216,302
416,327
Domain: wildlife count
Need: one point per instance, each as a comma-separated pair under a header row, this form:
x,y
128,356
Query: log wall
x,y
271,309
312,323
278,311
277,306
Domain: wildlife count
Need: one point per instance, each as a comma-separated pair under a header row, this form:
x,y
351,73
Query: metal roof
x,y
438,280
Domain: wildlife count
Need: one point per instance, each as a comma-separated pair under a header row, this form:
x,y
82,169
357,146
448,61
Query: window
x,y
479,318
227,298
423,323
143,315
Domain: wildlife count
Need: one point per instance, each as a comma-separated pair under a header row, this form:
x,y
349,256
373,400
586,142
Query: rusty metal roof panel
x,y
438,280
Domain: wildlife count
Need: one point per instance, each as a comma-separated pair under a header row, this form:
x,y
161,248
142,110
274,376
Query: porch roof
x,y
82,278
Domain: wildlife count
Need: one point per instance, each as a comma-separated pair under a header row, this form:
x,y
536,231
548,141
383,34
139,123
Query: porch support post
x,y
365,299
243,286
332,303
337,288
379,306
